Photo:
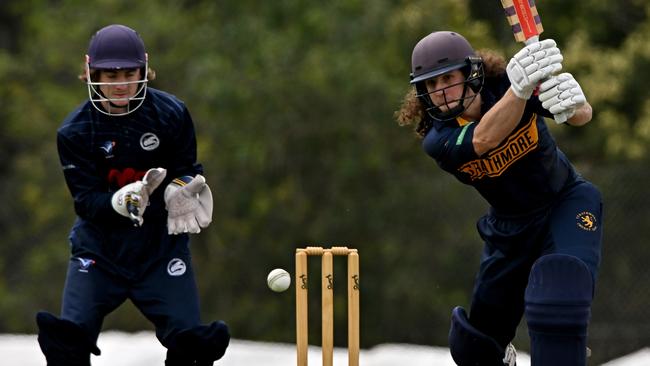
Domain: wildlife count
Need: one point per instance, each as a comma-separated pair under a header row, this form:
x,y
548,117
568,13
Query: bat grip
x,y
133,212
531,40
559,118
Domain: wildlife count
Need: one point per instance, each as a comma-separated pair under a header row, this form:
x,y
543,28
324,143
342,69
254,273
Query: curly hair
x,y
412,112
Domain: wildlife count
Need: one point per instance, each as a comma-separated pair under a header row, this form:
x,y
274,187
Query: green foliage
x,y
293,103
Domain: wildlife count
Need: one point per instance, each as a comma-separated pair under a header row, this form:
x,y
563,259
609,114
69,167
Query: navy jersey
x,y
101,153
524,173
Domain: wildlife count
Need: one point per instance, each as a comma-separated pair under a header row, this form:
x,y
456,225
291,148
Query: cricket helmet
x,y
116,47
437,54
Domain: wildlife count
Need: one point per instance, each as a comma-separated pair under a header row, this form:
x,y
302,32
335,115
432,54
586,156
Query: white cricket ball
x,y
278,280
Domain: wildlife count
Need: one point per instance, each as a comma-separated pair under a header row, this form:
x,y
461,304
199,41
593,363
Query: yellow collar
x,y
462,121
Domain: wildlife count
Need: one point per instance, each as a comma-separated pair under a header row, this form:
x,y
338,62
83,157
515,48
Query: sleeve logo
x,y
84,264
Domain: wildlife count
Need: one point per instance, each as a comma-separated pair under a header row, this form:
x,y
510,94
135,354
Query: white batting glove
x,y
562,94
532,64
189,205
132,199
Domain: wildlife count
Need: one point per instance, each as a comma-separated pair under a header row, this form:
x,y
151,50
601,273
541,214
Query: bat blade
x,y
523,18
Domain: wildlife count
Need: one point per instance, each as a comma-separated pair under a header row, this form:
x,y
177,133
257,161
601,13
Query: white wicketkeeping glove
x,y
189,205
532,64
561,94
132,199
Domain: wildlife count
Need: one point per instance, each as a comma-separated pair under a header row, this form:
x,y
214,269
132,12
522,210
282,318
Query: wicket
x,y
327,303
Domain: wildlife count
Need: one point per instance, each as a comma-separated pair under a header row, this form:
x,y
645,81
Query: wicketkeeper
x,y
128,155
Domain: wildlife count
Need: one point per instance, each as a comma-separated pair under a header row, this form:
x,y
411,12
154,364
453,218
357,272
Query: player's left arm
x,y
183,153
498,122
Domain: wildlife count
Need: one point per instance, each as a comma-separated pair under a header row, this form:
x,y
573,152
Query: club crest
x,y
586,221
149,141
176,267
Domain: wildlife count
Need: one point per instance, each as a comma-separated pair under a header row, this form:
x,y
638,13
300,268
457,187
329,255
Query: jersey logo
x,y
586,221
107,148
149,141
176,267
501,158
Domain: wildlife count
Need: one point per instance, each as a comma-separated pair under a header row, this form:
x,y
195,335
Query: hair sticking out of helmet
x,y
116,47
440,53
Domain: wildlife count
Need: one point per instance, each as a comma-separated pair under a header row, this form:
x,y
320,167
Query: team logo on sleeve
x,y
586,221
149,141
498,160
84,264
176,267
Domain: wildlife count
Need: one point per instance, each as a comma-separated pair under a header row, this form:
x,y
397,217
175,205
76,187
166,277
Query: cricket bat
x,y
526,25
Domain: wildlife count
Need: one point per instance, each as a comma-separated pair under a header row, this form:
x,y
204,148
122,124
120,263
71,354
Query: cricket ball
x,y
278,280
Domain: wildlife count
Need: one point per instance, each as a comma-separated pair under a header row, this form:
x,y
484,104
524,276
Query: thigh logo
x,y
176,267
586,221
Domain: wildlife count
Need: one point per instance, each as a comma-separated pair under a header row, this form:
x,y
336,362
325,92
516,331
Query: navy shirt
x,y
100,154
523,174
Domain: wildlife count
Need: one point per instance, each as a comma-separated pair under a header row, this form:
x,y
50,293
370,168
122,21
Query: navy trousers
x,y
571,225
165,293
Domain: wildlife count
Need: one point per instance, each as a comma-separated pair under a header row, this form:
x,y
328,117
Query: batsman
x,y
128,155
483,120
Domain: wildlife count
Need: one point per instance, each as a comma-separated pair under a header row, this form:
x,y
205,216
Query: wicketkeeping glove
x,y
561,94
189,205
132,199
532,64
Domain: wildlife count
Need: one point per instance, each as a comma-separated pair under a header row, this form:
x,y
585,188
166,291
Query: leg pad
x,y
469,346
558,307
63,342
199,346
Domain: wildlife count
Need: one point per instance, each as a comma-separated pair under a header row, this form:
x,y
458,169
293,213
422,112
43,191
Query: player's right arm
x,y
92,200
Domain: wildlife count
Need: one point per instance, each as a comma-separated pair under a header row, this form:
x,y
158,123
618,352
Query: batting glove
x,y
561,94
132,199
532,64
189,205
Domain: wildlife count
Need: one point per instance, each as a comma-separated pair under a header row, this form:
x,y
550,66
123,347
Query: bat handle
x,y
531,40
133,212
560,118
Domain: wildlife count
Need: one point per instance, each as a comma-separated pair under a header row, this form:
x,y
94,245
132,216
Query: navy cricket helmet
x,y
116,47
